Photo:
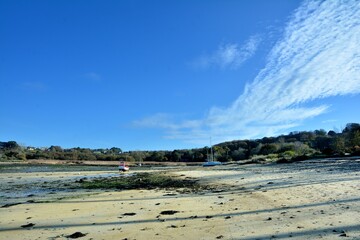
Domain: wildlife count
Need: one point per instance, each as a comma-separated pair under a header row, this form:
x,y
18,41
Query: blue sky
x,y
163,75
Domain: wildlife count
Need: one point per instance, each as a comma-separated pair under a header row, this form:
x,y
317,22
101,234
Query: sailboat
x,y
123,167
210,162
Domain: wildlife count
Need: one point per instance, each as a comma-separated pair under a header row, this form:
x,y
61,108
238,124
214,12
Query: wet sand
x,y
318,199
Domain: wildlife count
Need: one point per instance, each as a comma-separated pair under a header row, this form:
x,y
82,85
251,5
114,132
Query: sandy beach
x,y
315,199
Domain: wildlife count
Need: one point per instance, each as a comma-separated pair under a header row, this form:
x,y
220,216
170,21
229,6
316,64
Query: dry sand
x,y
308,200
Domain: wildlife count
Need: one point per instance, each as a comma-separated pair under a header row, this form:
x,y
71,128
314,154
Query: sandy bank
x,y
298,201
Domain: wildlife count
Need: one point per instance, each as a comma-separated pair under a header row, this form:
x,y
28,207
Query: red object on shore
x,y
123,167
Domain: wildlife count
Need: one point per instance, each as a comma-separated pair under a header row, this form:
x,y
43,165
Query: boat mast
x,y
211,152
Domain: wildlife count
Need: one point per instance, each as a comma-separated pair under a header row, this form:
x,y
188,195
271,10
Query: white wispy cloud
x,y
166,121
318,56
95,77
231,55
34,86
329,121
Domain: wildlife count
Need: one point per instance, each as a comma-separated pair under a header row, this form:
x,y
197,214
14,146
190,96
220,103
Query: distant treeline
x,y
291,147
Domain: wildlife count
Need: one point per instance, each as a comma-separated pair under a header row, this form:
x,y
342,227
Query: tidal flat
x,y
314,199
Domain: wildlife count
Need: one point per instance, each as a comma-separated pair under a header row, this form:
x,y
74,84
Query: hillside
x,y
292,147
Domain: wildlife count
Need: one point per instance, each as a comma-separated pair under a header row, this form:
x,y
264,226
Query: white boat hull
x,y
124,169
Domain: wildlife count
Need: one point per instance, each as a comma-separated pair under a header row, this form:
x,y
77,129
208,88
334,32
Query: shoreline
x,y
95,163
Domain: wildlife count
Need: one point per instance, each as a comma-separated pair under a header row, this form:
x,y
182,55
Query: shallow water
x,y
30,168
21,183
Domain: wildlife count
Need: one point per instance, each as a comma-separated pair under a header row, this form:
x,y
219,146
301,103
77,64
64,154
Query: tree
x,y
55,149
199,156
323,144
338,144
188,156
115,150
156,156
239,154
138,156
354,139
351,127
331,133
269,149
12,145
320,132
176,156
303,149
254,148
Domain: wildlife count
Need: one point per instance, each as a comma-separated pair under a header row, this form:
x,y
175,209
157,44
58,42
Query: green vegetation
x,y
140,181
292,147
11,151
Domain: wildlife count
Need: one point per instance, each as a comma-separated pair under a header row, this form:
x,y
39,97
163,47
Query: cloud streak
x,y
166,121
229,56
34,86
318,56
92,76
